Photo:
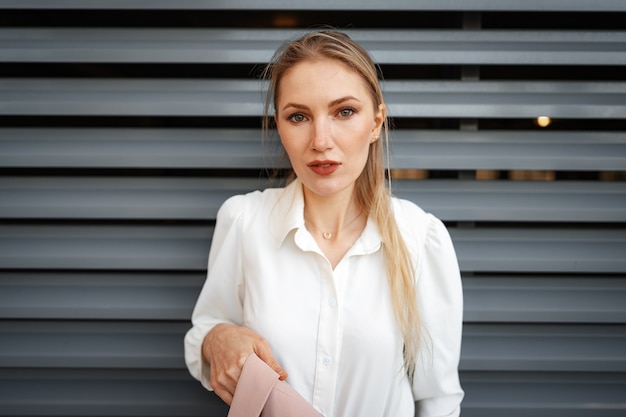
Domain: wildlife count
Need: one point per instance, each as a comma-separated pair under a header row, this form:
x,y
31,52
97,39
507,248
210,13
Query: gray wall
x,y
124,125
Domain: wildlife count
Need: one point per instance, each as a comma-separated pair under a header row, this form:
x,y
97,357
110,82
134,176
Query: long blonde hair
x,y
372,193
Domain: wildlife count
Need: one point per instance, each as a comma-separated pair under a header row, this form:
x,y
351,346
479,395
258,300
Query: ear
x,y
379,118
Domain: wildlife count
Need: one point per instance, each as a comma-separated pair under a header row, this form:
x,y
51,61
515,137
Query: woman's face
x,y
326,118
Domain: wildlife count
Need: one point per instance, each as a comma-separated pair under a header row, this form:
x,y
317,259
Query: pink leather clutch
x,y
259,393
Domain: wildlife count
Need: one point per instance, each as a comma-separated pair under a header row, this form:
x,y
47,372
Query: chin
x,y
325,187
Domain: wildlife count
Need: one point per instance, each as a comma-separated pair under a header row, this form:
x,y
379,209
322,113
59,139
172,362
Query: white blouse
x,y
334,331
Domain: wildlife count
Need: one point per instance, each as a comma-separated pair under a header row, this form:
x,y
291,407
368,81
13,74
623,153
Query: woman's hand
x,y
226,348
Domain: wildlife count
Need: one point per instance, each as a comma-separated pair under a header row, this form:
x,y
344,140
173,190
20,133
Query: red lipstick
x,y
324,167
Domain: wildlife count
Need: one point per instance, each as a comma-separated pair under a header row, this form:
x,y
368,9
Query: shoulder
x,y
418,227
239,205
411,217
404,208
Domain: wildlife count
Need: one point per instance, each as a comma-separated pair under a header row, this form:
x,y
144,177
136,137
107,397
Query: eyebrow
x,y
331,104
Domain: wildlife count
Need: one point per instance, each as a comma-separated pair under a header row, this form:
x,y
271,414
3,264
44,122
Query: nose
x,y
322,137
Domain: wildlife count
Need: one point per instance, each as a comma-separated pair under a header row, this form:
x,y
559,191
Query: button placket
x,y
328,344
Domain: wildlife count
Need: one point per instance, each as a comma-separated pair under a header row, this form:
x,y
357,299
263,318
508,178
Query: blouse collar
x,y
289,216
289,212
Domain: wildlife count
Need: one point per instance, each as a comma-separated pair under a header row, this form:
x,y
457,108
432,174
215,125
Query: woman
x,y
353,293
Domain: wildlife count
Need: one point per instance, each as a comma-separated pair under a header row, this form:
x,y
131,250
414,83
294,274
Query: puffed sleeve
x,y
436,386
220,300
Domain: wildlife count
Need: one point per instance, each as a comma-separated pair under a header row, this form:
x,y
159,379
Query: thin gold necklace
x,y
329,235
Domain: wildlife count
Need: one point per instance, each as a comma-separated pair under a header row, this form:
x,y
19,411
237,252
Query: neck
x,y
331,215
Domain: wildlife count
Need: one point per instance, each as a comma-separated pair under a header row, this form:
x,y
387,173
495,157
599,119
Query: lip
x,y
325,167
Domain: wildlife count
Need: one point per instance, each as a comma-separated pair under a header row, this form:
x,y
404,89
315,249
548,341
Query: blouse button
x,y
327,360
332,302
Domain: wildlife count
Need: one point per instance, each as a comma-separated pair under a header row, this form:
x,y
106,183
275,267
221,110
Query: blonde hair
x,y
372,193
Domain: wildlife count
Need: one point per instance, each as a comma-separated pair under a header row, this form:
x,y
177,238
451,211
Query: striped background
x,y
125,124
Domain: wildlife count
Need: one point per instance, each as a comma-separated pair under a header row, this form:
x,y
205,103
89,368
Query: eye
x,y
346,112
296,118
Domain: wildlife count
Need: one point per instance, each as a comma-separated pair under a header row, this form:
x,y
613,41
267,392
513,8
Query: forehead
x,y
322,78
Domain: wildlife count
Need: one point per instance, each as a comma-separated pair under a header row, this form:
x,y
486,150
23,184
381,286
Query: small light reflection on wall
x,y
487,175
285,21
409,174
518,175
543,121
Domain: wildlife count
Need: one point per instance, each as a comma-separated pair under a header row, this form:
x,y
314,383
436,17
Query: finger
x,y
226,396
265,354
225,391
282,374
228,379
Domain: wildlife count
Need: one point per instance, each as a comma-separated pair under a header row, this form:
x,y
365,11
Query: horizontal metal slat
x,y
545,348
164,45
113,295
244,148
133,148
107,247
111,392
508,150
117,247
166,97
144,345
171,296
119,198
187,198
167,393
544,299
506,99
559,201
141,97
400,5
535,249
92,344
554,394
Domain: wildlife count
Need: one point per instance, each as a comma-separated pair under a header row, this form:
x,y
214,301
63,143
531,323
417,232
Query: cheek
x,y
358,152
286,139
361,140
282,134
365,151
293,148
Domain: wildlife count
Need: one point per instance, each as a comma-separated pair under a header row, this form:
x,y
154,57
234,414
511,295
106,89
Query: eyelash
x,y
352,111
292,117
